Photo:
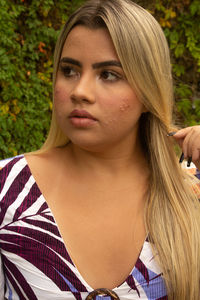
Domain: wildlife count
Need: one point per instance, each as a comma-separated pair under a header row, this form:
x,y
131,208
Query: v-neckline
x,y
70,260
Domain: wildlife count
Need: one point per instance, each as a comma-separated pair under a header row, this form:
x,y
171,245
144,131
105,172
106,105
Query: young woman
x,y
104,210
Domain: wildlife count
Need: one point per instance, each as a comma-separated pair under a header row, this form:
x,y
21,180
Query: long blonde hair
x,y
172,212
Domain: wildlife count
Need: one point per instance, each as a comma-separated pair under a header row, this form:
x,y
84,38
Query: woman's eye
x,y
68,71
110,76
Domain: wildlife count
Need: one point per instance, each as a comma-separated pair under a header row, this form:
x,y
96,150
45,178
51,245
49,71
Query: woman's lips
x,y
81,118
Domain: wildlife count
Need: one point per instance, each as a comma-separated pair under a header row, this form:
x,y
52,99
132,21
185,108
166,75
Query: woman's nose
x,y
84,90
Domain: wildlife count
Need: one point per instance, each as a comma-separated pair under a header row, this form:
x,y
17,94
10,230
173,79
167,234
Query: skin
x,y
101,185
189,141
101,90
98,173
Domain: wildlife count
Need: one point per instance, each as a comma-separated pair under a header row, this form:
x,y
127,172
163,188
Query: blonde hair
x,y
172,212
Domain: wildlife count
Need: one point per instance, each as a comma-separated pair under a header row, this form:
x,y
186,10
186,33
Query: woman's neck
x,y
113,162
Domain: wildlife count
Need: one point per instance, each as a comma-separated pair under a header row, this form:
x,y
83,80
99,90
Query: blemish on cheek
x,y
124,106
111,121
60,94
56,91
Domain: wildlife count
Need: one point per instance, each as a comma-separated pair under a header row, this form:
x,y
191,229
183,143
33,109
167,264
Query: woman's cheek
x,y
61,98
119,112
124,106
60,94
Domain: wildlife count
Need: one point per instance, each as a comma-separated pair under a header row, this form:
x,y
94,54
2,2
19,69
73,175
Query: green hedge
x,y
181,23
29,29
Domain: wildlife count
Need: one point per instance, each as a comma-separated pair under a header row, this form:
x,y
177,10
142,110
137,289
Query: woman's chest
x,y
37,262
103,243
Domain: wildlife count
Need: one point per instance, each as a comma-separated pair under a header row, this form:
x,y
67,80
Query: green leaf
x,y
179,50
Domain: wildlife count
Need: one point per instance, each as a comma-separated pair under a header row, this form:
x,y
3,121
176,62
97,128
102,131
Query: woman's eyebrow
x,y
107,63
97,65
71,61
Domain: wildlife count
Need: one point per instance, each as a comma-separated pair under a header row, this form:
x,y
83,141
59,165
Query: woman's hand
x,y
189,141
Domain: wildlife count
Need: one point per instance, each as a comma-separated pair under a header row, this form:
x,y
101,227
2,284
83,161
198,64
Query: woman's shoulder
x,y
10,169
13,173
19,161
5,163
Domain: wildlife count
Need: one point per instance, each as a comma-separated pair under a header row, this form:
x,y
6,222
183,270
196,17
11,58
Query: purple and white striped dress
x,y
34,261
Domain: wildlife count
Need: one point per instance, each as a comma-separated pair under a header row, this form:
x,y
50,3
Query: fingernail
x,y
181,158
171,133
189,161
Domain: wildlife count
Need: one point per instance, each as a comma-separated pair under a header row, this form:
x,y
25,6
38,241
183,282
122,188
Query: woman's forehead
x,y
83,40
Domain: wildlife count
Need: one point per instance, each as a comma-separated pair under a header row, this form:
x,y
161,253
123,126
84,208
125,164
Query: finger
x,y
186,144
191,143
180,134
189,140
194,142
196,155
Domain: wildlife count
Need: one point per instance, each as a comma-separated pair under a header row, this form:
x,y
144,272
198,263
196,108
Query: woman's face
x,y
95,106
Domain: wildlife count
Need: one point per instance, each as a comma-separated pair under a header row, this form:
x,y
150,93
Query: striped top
x,y
34,261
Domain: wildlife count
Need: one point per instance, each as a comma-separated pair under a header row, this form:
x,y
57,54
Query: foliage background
x,y
29,29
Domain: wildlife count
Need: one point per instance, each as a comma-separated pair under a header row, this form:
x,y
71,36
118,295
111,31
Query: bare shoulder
x,y
49,159
47,167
